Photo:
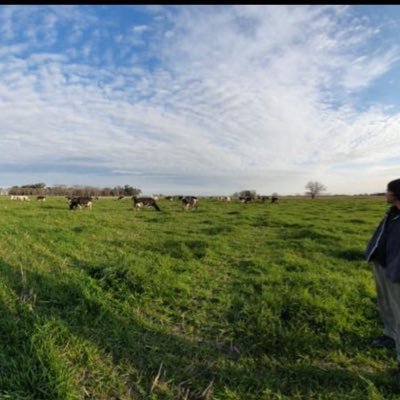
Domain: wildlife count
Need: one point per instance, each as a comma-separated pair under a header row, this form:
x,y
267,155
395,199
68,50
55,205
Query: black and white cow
x,y
79,202
140,202
189,202
263,198
245,199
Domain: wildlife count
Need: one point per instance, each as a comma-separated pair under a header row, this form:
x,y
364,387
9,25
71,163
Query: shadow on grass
x,y
181,249
78,303
74,299
295,335
350,253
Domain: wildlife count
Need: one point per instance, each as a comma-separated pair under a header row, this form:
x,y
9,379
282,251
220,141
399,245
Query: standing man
x,y
384,250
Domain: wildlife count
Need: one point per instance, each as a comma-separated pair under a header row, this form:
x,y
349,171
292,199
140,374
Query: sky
x,y
201,99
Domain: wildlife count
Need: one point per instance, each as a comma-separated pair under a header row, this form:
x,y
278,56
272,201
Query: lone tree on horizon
x,y
314,188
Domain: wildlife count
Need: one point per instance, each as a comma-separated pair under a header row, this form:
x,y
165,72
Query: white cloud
x,y
254,96
367,68
140,28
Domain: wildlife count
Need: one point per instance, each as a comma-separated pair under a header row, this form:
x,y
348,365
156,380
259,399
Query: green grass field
x,y
231,301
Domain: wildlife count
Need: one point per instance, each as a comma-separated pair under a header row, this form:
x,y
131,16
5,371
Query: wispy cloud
x,y
140,28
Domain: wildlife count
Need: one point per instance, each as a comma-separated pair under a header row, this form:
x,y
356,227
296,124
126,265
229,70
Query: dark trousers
x,y
388,294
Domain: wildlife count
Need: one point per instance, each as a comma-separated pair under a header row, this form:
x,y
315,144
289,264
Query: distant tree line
x,y
40,189
252,194
75,190
245,193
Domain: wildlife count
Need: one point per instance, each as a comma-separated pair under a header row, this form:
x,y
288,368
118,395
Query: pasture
x,y
229,301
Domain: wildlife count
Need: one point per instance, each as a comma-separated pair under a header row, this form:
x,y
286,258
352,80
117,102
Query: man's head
x,y
393,191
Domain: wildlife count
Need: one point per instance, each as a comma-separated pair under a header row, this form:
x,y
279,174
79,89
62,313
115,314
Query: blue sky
x,y
201,99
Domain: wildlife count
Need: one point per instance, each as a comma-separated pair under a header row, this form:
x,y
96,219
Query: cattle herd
x,y
188,202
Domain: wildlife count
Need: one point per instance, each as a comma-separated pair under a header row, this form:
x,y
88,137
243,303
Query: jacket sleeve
x,y
374,241
393,252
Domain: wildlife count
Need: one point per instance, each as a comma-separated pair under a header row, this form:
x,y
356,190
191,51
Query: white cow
x,y
20,198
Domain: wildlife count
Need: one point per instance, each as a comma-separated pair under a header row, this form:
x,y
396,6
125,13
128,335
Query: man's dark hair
x,y
394,187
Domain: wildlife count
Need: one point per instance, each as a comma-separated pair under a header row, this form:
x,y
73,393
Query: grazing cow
x,y
41,198
245,199
140,202
189,202
19,198
274,199
79,202
263,198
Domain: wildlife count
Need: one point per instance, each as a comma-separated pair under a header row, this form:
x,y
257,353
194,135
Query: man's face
x,y
390,197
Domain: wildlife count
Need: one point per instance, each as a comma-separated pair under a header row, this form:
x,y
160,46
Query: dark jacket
x,y
387,238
